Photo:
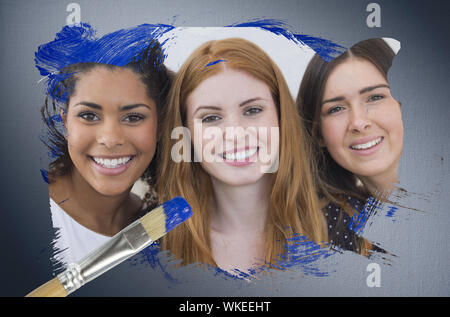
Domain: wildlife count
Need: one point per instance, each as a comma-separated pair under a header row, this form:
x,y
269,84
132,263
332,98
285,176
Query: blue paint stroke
x,y
215,62
79,44
391,211
325,48
235,274
151,256
359,219
303,253
44,174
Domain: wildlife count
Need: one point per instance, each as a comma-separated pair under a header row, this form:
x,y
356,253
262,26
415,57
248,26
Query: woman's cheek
x,y
395,125
79,136
391,118
144,137
332,133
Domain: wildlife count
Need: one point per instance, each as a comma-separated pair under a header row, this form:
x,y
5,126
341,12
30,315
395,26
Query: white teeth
x,y
240,156
114,163
367,145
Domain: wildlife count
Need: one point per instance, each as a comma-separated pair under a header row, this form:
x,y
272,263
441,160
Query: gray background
x,y
417,234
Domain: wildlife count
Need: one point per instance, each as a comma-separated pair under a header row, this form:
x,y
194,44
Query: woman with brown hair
x,y
245,207
356,128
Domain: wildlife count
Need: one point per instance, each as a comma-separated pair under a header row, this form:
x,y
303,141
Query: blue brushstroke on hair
x,y
79,44
55,119
215,62
325,48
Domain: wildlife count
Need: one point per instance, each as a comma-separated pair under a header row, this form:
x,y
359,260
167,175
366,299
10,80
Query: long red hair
x,y
293,206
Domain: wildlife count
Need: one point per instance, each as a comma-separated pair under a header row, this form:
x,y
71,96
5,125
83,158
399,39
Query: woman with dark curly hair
x,y
108,138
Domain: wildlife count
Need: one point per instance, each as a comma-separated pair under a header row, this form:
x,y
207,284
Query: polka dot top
x,y
341,230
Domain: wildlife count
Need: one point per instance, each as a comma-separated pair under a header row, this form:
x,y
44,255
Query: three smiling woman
x,y
245,209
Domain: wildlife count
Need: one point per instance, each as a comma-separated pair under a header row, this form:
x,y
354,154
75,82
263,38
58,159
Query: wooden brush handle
x,y
52,288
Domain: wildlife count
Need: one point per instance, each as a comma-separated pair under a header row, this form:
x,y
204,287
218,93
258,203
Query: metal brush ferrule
x,y
123,245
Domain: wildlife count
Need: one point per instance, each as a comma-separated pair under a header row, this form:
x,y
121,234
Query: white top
x,y
73,241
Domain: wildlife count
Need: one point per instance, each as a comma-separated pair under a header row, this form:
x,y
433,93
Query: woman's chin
x,y
239,179
111,191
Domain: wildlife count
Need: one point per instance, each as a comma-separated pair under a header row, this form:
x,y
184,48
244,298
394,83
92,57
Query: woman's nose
x,y
359,119
239,133
110,134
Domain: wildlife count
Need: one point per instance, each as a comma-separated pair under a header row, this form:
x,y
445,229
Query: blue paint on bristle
x,y
177,210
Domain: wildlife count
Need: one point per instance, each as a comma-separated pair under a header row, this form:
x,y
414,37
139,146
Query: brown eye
x,y
210,118
89,116
134,118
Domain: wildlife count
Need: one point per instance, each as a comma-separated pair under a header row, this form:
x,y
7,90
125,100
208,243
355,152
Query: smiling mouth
x,y
368,145
240,155
112,163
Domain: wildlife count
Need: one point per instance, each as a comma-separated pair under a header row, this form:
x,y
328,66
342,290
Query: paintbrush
x,y
128,242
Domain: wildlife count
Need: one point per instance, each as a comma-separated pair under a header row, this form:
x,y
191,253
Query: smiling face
x,y
110,129
361,123
238,136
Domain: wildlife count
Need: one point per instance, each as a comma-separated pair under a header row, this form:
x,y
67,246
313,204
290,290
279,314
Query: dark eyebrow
x,y
89,104
122,108
333,100
129,107
370,88
362,91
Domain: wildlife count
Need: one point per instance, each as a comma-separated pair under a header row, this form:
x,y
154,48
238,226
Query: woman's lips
x,y
366,146
112,165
